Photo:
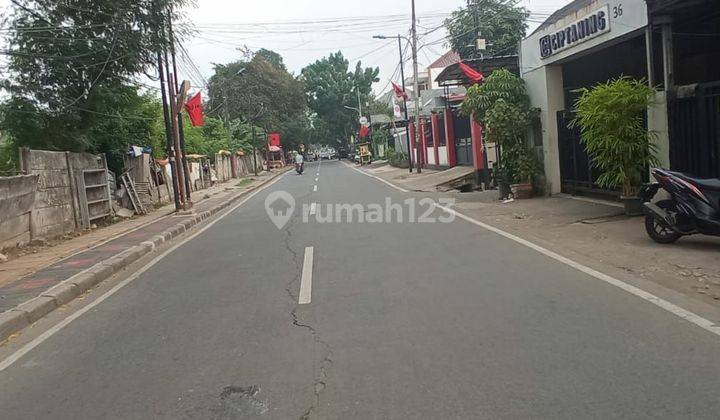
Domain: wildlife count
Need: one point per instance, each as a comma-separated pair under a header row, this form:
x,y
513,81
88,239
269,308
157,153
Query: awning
x,y
454,76
274,148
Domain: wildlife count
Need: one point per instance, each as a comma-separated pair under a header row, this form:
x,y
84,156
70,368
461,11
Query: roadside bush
x,y
611,117
502,106
397,159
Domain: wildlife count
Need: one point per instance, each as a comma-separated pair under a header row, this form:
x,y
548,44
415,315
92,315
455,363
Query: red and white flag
x,y
194,109
399,92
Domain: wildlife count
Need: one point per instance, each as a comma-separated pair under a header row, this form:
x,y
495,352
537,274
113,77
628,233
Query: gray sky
x,y
285,26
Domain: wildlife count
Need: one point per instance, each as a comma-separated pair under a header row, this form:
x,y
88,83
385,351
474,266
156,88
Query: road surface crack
x,y
321,369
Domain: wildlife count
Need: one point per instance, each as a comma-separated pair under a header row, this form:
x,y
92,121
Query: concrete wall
x,y
53,213
545,88
56,209
17,197
222,167
658,125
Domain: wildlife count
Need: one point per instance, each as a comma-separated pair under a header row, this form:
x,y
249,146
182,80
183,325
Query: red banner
x,y
194,110
364,131
471,73
274,139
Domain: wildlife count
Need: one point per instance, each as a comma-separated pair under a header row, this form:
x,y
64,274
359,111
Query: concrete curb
x,y
27,313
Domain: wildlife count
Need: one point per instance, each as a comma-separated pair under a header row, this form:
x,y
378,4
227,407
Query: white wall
x,y
545,88
442,154
435,72
430,156
658,124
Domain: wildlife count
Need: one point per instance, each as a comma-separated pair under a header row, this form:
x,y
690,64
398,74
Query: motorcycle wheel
x,y
657,231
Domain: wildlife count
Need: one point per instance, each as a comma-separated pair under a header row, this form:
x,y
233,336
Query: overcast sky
x,y
291,28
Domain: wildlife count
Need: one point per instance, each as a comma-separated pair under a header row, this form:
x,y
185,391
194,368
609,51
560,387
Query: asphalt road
x,y
406,321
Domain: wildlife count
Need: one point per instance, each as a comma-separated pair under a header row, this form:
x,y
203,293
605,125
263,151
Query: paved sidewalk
x,y
428,181
598,234
50,266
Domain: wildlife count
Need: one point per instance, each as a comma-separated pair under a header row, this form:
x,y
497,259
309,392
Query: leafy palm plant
x,y
502,105
611,119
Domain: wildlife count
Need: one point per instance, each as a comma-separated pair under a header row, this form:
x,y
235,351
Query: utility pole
x,y
168,136
416,92
254,141
176,139
407,120
181,132
405,108
357,89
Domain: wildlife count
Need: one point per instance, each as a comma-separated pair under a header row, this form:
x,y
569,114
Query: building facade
x,y
583,44
664,42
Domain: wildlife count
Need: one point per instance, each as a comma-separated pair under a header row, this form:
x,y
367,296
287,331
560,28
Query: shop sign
x,y
583,29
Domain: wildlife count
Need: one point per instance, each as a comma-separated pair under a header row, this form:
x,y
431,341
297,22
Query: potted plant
x,y
502,106
611,118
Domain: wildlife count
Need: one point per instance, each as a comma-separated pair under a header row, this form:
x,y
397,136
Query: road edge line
x,y
666,305
674,309
401,189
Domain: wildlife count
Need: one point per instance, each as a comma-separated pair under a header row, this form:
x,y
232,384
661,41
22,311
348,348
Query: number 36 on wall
x,y
617,11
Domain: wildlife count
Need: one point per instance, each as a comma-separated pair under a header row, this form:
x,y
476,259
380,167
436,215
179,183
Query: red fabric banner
x,y
364,131
274,139
194,110
471,73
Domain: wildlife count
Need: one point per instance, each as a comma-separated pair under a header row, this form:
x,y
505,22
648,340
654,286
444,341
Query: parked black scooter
x,y
693,206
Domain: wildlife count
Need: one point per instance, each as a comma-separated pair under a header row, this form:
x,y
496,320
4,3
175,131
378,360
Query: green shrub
x,y
397,159
611,117
502,105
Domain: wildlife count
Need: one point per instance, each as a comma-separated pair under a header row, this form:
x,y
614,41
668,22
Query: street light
x,y
353,109
402,76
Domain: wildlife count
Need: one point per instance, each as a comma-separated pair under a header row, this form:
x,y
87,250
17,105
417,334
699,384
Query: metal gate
x,y
463,141
576,172
694,123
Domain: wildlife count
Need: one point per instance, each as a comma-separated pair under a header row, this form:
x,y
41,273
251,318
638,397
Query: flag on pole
x,y
364,131
399,92
471,73
194,109
274,139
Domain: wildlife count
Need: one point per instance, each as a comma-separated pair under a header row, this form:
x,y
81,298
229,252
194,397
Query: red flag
x,y
274,139
399,92
471,73
194,110
364,131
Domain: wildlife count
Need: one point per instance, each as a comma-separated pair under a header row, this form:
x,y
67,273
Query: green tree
x,y
501,22
331,86
272,58
70,73
257,91
207,140
117,117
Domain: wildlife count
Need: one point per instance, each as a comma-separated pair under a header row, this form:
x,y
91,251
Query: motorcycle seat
x,y
711,184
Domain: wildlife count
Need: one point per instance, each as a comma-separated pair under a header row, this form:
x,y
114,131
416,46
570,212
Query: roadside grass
x,y
245,182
